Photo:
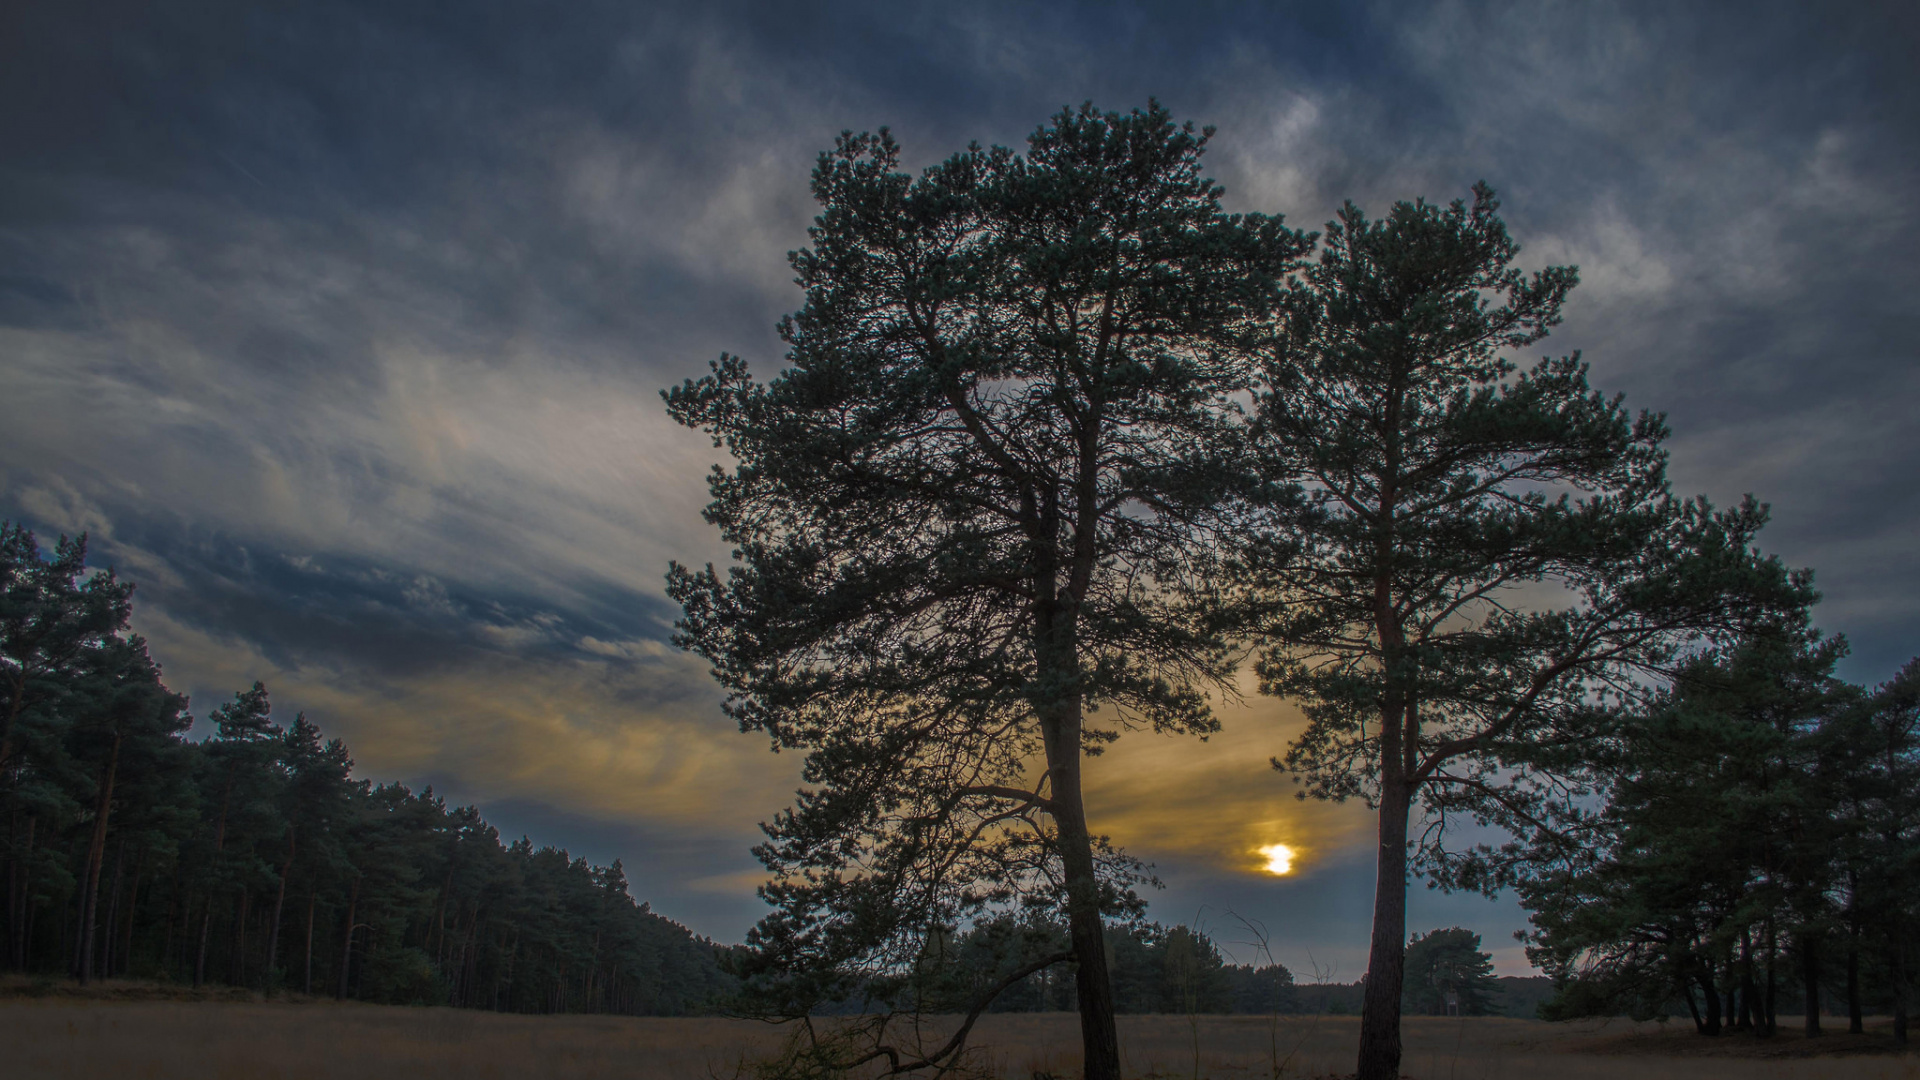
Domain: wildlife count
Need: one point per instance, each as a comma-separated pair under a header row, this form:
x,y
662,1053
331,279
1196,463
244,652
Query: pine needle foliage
x,y
969,518
1456,566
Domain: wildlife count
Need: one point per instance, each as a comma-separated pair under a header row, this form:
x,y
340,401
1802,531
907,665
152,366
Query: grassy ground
x,y
124,1031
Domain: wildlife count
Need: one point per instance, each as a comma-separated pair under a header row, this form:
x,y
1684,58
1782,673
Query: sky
x,y
340,330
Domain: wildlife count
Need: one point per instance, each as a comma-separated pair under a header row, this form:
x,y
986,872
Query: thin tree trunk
x,y
175,905
96,854
206,920
1769,1016
1744,1016
133,912
22,908
1810,982
1712,993
200,957
1693,1007
1899,988
1856,1011
1380,1047
238,969
279,904
346,949
112,922
306,985
13,877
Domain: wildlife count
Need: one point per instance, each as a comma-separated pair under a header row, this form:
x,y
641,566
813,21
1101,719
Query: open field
x,y
156,1040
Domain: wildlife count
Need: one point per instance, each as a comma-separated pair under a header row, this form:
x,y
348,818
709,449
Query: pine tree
x,y
1717,843
1451,563
964,517
1446,970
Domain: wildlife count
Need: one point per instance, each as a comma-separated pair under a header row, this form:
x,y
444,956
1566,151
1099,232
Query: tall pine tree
x,y
963,519
1472,559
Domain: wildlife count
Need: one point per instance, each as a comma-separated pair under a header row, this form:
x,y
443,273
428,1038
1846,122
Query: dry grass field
x,y
118,1035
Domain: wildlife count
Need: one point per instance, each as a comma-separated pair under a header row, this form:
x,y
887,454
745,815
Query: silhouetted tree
x,y
1721,848
1447,968
965,517
1472,559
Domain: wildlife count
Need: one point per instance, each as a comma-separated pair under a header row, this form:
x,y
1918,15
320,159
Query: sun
x,y
1279,859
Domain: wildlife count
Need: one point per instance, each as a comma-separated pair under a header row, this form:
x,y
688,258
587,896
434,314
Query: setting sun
x,y
1279,858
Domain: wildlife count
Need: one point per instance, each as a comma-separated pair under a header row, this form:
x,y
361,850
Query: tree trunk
x,y
1712,993
238,969
200,956
1899,988
279,905
21,908
1768,1016
96,854
306,985
1856,1012
1810,982
1387,955
1744,1011
13,879
111,923
133,911
346,949
1099,1037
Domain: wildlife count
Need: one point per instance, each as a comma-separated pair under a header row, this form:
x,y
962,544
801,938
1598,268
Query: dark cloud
x,y
340,327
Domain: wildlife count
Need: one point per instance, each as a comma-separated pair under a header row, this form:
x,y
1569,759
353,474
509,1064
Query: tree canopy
x,y
1455,566
1449,975
967,519
1759,830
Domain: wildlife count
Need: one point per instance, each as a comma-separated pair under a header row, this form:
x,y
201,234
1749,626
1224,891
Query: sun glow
x,y
1279,859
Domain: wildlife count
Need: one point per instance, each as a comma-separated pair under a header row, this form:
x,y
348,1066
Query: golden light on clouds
x,y
1279,859
618,739
1218,802
631,732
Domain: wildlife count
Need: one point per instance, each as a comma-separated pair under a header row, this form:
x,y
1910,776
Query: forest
x,y
254,858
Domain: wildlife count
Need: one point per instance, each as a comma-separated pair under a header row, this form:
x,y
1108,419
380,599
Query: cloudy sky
x,y
341,329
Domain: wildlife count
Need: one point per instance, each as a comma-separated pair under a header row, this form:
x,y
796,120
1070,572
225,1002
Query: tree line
x,y
253,857
1057,444
1761,840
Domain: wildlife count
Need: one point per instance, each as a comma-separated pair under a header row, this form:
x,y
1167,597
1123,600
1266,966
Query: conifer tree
x,y
1715,849
963,518
1447,969
1471,559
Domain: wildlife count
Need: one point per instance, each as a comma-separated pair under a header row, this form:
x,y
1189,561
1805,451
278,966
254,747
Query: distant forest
x,y
254,858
